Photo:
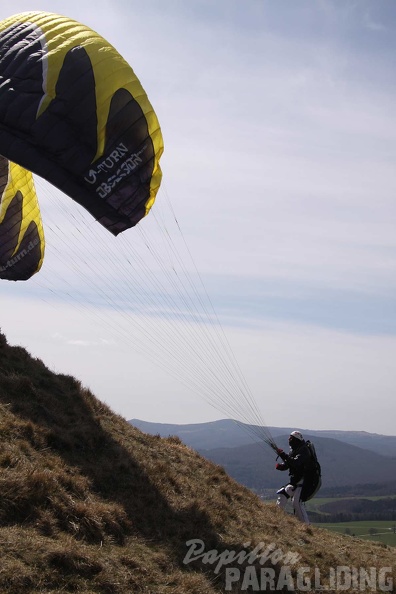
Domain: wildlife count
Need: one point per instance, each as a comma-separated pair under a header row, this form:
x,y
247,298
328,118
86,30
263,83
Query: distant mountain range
x,y
227,434
348,458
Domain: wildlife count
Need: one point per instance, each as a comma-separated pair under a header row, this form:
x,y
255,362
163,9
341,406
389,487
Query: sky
x,y
280,140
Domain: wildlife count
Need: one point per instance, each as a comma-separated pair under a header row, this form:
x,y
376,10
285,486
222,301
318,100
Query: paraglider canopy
x,y
73,111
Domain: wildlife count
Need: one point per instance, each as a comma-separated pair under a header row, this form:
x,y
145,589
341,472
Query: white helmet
x,y
297,435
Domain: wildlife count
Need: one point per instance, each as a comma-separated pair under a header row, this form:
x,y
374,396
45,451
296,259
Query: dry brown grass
x,y
90,504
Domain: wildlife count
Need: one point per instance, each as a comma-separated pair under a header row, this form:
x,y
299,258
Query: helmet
x,y
297,435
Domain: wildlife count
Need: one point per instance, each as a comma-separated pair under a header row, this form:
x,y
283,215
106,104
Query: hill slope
x,y
90,504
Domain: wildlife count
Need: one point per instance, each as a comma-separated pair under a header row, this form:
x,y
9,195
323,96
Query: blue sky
x,y
280,141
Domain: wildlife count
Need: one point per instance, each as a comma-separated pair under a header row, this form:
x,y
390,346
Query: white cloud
x,y
298,374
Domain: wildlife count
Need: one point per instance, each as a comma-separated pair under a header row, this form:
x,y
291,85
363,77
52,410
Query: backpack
x,y
312,483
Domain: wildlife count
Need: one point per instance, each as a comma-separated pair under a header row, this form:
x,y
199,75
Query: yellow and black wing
x,y
73,111
21,229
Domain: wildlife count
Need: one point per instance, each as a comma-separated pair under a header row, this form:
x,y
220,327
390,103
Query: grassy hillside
x,y
90,504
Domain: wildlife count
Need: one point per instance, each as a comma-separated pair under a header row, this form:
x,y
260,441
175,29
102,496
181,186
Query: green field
x,y
383,531
380,531
317,502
